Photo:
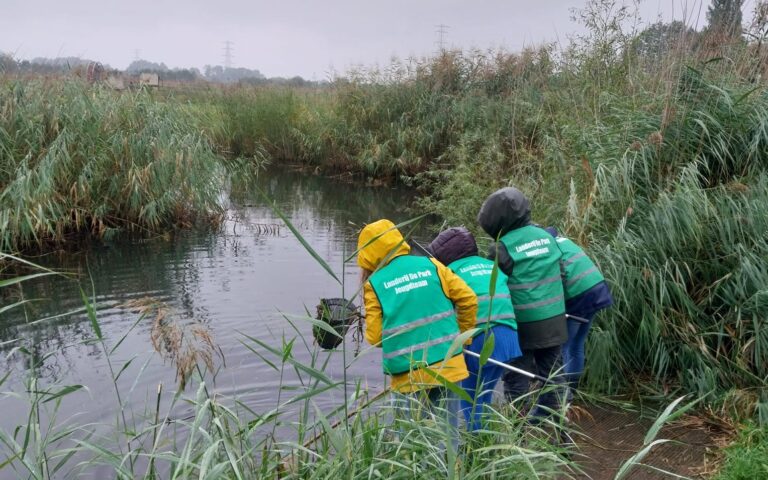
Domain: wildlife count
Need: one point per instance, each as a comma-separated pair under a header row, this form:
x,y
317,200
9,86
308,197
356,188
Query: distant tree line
x,y
219,74
175,74
724,24
214,74
41,65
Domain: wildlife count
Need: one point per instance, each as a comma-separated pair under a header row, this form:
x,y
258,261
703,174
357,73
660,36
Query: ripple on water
x,y
241,280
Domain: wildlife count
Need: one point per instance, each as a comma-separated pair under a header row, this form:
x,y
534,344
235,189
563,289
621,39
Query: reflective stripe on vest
x,y
536,282
418,320
525,286
420,346
483,298
476,273
572,281
541,303
581,274
416,323
573,258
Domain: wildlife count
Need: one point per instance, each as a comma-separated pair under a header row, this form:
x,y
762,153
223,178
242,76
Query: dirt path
x,y
606,437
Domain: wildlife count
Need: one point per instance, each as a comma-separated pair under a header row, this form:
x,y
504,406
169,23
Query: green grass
x,y
747,458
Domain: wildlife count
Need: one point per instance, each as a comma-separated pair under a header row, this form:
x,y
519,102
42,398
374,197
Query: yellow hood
x,y
375,243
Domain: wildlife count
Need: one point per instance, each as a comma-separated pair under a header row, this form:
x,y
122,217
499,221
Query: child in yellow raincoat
x,y
415,307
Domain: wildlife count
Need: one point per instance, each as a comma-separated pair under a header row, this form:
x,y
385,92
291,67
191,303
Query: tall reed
x,y
76,158
676,218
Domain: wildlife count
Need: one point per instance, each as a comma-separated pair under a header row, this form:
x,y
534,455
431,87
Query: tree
x,y
724,17
758,34
221,74
7,63
758,29
610,26
144,66
658,39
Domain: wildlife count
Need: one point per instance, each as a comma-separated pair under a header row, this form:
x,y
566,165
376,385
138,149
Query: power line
x,y
441,32
228,54
137,54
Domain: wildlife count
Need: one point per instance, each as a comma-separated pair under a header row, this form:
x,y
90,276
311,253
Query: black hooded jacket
x,y
503,211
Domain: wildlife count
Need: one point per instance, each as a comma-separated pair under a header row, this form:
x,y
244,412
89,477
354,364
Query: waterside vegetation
x,y
648,146
75,159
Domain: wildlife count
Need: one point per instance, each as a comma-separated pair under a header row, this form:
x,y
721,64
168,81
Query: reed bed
x,y
676,217
79,159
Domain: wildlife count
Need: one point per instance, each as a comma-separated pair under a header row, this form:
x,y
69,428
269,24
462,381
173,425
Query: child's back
x,y
586,293
530,257
456,248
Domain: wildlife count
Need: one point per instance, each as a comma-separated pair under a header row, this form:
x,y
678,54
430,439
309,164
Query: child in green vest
x,y
586,293
456,248
530,258
414,309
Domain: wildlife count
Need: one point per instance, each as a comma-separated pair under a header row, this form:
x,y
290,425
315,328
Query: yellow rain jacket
x,y
463,298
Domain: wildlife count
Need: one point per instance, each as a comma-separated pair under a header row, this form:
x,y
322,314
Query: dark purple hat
x,y
453,244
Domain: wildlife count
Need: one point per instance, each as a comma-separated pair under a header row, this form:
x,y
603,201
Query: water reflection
x,y
239,279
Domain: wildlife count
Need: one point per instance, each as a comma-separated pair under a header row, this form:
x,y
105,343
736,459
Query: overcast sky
x,y
290,37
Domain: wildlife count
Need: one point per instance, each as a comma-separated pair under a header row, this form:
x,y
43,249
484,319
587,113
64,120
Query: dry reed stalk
x,y
186,346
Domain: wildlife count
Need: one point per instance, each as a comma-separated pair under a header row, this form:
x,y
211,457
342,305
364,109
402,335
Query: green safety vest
x,y
536,282
581,274
476,272
418,320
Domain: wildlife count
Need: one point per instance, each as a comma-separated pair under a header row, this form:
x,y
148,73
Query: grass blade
x,y
273,206
91,315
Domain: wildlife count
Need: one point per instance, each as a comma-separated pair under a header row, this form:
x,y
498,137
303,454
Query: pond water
x,y
241,279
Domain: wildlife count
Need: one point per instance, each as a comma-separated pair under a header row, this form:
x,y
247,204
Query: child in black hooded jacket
x,y
530,257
